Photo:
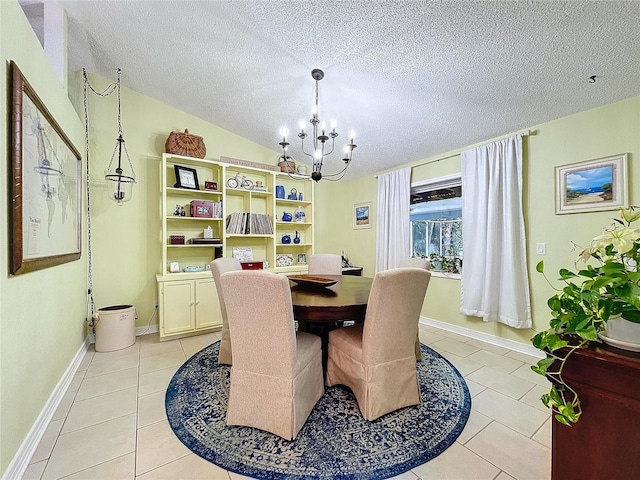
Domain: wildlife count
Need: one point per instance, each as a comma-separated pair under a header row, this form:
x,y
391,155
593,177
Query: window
x,y
436,222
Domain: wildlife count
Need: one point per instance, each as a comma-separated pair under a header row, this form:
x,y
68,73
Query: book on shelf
x,y
245,223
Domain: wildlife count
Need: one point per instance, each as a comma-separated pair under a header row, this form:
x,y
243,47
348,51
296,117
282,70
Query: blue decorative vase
x,y
279,191
286,217
296,239
300,215
286,238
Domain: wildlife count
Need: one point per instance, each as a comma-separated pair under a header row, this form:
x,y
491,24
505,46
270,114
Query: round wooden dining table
x,y
346,300
320,309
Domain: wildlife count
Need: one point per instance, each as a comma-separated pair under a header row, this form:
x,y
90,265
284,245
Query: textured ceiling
x,y
412,78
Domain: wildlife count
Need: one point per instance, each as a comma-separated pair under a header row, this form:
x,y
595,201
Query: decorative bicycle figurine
x,y
240,181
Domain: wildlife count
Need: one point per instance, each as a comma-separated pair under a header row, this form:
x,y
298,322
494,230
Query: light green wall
x,y
42,313
596,133
126,239
334,220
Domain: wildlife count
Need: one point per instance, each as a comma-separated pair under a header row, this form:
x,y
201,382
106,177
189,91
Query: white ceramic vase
x,y
622,333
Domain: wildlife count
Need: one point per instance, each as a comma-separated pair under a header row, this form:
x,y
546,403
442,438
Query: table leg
x,y
321,330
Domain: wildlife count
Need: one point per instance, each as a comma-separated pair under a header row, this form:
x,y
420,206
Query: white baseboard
x,y
485,337
146,330
139,331
21,460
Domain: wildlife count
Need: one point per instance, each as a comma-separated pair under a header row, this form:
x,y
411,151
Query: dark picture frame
x,y
186,177
45,208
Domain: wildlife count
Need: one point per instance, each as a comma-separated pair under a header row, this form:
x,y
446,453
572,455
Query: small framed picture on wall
x,y
362,215
592,186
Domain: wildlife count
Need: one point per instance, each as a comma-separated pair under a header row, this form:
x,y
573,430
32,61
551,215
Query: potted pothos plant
x,y
606,287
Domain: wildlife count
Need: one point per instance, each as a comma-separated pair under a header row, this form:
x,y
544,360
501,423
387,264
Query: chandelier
x,y
120,183
320,148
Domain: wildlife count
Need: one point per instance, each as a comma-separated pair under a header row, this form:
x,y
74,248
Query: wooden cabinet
x,y
184,308
604,442
187,306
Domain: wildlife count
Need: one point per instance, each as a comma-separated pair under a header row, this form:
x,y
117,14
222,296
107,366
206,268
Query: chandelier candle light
x,y
320,138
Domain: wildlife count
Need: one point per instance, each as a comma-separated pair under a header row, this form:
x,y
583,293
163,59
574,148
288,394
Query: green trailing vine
x,y
589,298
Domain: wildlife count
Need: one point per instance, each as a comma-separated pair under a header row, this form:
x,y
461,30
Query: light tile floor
x,y
111,423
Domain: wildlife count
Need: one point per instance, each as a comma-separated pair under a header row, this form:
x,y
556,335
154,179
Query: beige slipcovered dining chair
x,y
276,377
376,359
218,267
416,262
325,264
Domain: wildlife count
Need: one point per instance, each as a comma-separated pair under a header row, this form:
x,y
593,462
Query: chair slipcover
x,y
416,262
325,264
376,360
218,267
276,377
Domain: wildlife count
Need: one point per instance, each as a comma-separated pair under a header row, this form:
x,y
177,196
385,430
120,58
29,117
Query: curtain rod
x,y
525,133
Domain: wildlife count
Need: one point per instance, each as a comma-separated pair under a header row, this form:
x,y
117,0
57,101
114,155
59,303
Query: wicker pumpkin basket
x,y
185,144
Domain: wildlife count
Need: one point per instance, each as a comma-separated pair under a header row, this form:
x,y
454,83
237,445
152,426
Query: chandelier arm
x,y
330,151
342,173
311,155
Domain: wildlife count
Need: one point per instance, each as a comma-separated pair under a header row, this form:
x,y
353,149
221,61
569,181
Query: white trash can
x,y
115,327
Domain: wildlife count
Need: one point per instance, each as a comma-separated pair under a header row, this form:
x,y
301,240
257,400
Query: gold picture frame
x,y
45,185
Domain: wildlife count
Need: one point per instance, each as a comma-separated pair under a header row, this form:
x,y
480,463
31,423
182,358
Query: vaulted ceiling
x,y
413,79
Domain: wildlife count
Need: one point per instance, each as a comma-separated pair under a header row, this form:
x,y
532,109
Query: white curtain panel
x,y
393,228
495,283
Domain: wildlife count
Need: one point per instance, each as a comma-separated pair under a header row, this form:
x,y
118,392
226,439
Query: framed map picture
x,y
45,183
591,186
361,215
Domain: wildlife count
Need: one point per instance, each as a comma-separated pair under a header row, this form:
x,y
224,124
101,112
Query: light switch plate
x,y
541,248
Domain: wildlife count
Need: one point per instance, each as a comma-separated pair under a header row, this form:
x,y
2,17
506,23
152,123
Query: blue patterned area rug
x,y
335,442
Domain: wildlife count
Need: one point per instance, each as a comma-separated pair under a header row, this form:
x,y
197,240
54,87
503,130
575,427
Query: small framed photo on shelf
x,y
362,215
174,267
186,177
302,259
212,186
592,186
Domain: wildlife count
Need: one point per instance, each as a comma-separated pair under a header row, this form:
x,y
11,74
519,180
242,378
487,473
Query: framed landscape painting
x,y
361,215
592,186
45,185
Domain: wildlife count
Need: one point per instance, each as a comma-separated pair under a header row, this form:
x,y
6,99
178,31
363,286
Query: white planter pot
x,y
622,333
